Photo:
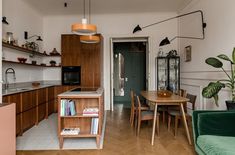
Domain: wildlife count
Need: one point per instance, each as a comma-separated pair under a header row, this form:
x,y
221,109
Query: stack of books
x,y
70,131
90,112
94,126
67,108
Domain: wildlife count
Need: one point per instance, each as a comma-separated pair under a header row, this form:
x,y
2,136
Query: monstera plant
x,y
213,88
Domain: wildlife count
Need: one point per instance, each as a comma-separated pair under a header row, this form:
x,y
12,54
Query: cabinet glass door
x,y
162,75
173,74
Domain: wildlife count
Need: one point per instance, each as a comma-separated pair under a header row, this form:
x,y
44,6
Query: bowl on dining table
x,y
164,93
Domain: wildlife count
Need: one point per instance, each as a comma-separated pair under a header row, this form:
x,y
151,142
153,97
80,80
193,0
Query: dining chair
x,y
134,107
177,113
143,115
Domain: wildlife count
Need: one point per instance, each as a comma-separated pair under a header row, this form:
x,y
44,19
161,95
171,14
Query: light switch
x,y
126,79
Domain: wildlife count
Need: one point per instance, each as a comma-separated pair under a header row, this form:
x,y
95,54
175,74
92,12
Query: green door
x,y
129,70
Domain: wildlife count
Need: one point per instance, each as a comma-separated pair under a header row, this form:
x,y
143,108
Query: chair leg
x,y
176,124
132,117
139,123
163,116
158,126
169,122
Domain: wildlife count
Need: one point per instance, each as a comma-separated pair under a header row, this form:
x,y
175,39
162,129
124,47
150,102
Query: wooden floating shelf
x,y
26,50
7,61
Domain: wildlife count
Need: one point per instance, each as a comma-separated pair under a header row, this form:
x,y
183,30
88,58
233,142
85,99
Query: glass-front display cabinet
x,y
167,73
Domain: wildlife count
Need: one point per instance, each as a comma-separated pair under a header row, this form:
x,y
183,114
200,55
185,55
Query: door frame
x,y
127,39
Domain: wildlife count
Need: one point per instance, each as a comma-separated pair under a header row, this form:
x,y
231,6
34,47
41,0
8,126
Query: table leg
x,y
154,123
185,123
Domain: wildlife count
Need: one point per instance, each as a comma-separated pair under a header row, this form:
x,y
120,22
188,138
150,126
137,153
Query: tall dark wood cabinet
x,y
88,56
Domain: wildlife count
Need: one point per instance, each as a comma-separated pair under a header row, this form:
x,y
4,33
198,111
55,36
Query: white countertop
x,y
96,93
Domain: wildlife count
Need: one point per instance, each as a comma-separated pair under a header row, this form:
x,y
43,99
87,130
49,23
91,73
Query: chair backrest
x,y
192,99
138,104
132,98
182,92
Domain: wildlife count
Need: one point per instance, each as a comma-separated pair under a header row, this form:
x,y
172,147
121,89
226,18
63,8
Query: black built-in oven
x,y
71,75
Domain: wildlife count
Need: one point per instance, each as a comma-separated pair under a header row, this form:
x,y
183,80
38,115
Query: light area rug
x,y
44,137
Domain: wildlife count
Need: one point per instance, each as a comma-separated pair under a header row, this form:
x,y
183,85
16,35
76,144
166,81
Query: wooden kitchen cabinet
x,y
41,104
29,101
88,56
51,100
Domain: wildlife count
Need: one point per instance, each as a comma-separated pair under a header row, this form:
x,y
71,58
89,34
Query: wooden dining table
x,y
152,97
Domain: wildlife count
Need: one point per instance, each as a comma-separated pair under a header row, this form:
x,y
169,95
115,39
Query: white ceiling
x,y
56,7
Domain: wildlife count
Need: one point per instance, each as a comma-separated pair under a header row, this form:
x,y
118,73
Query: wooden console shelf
x,y
89,126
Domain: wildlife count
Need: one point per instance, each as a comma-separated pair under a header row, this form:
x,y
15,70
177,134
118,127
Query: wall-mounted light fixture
x,y
166,40
4,20
26,36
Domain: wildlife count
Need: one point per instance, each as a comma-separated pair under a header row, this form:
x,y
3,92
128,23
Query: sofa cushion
x,y
216,123
216,145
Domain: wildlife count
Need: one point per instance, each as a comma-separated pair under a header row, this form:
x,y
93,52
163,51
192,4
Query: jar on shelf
x,y
9,38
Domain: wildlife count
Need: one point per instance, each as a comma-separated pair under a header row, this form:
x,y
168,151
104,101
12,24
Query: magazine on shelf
x,y
70,131
90,112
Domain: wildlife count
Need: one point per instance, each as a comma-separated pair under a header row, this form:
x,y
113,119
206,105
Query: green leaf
x,y
216,98
214,62
212,89
233,55
224,57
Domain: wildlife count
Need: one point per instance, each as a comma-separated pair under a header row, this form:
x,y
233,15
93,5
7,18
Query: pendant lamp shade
x,y
90,39
84,28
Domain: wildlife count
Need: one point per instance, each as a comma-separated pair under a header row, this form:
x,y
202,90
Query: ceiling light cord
x,y
84,9
89,11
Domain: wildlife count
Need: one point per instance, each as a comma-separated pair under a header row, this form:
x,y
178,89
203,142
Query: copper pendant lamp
x,y
84,28
92,39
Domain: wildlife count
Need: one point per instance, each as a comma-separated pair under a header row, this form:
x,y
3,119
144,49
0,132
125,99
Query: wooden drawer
x,y
50,107
18,124
42,96
41,112
15,98
28,100
28,119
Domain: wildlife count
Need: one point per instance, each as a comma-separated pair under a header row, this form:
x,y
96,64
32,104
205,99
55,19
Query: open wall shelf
x,y
13,62
25,50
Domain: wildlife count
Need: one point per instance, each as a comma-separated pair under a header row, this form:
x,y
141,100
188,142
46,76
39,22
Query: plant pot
x,y
230,105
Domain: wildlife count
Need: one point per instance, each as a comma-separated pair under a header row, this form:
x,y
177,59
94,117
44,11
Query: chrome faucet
x,y
9,71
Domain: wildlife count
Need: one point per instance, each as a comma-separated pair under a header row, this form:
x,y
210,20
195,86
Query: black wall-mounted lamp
x,y
26,36
166,40
4,20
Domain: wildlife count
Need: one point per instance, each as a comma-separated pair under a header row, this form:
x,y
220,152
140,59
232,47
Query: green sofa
x,y
214,132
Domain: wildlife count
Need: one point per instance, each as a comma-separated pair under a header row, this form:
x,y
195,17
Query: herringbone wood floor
x,y
120,139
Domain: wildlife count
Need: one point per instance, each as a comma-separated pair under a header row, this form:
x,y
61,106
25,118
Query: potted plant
x,y
213,88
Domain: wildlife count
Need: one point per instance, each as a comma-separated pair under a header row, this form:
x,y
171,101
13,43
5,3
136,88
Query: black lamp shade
x,y
164,42
137,28
4,20
39,38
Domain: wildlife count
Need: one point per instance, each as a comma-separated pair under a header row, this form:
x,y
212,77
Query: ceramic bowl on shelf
x,y
22,60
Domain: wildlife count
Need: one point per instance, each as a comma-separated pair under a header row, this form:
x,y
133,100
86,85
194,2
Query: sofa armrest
x,y
216,123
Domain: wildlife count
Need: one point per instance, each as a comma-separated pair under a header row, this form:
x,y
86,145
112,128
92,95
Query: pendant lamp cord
x,y
89,11
84,8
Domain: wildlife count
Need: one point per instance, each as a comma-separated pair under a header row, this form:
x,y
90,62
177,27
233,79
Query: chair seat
x,y
176,113
147,113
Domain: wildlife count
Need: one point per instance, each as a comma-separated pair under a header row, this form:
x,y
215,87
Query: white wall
x,y
114,25
21,17
219,33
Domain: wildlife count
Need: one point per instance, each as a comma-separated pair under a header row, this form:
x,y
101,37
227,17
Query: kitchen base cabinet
x,y
18,124
28,119
41,112
51,107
